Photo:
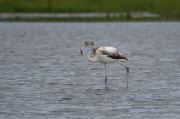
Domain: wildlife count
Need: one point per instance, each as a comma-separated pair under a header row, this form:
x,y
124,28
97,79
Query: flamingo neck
x,y
93,46
92,59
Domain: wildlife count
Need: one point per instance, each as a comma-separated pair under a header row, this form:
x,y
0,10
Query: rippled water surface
x,y
43,75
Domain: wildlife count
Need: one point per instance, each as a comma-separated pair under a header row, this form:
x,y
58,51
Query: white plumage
x,y
105,54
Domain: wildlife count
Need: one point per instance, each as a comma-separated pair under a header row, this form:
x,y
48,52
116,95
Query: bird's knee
x,y
127,69
105,79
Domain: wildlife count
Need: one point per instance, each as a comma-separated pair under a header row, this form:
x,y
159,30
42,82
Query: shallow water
x,y
65,15
43,75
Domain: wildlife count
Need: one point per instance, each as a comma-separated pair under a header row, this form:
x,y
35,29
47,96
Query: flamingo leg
x,y
127,72
105,75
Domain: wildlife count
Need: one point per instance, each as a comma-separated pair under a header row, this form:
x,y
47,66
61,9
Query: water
x,y
76,15
43,75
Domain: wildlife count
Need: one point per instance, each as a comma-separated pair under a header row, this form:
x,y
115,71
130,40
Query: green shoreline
x,y
169,10
88,19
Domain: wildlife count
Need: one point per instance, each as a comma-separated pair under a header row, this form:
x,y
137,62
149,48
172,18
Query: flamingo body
x,y
108,54
105,54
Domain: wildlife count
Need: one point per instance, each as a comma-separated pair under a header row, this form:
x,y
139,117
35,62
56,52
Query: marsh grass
x,y
166,8
89,19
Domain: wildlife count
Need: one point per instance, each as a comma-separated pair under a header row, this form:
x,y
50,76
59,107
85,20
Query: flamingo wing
x,y
111,52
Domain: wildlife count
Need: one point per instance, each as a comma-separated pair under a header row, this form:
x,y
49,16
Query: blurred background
x,y
113,10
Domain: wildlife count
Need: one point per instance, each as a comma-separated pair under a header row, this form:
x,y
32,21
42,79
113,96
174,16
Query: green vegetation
x,y
89,19
169,9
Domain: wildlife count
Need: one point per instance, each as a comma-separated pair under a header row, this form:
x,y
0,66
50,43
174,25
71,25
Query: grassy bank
x,y
167,8
89,19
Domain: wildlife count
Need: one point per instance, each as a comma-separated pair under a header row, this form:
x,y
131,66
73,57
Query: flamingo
x,y
105,54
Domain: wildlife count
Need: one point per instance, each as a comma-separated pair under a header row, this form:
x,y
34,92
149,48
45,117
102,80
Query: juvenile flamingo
x,y
105,54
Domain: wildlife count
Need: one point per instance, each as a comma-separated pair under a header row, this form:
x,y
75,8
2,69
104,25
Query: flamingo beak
x,y
81,49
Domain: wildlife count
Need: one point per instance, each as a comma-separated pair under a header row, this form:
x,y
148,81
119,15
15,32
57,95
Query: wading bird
x,y
105,54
